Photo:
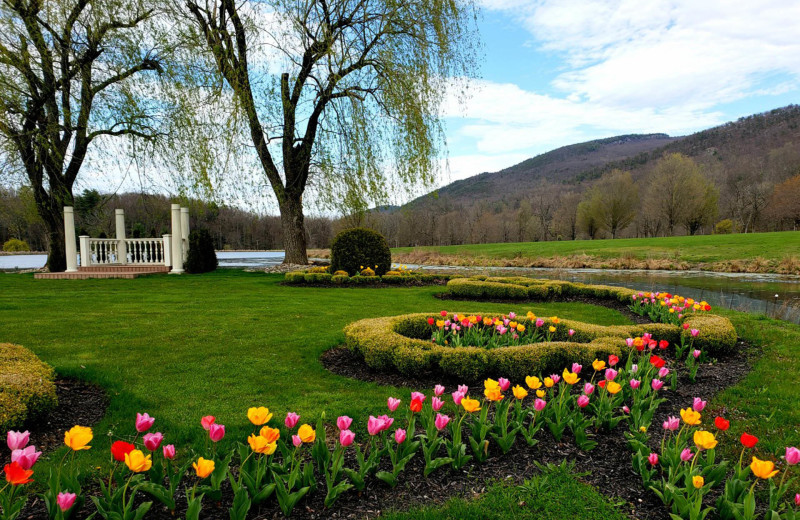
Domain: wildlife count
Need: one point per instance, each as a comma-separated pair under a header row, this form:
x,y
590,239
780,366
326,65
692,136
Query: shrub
x,y
354,249
520,288
317,278
319,269
393,273
201,258
464,288
26,386
367,271
295,277
724,227
340,279
340,273
15,244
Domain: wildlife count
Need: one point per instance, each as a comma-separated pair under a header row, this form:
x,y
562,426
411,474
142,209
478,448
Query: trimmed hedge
x,y
523,289
26,386
307,277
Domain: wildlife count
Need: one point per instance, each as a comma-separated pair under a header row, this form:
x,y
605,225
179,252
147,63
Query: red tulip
x,y
416,405
748,441
431,321
613,360
121,448
657,361
16,476
663,344
722,424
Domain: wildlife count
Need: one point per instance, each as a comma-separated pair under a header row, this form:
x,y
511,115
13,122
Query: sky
x,y
558,72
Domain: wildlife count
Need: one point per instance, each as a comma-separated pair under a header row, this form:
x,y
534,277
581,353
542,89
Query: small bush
x,y
26,386
340,273
340,279
295,277
14,244
724,227
319,269
367,271
357,248
202,258
393,273
317,278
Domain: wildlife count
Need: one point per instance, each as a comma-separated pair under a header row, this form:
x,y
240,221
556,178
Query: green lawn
x,y
696,249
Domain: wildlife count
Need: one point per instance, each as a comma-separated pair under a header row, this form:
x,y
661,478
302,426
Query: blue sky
x,y
557,72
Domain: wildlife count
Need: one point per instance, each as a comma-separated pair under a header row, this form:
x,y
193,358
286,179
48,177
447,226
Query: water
x,y
774,295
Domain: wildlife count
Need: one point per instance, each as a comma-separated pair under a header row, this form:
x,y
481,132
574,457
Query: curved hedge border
x,y
305,277
520,288
26,386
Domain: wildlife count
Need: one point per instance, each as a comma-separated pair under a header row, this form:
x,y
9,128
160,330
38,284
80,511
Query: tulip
x,y
539,405
399,436
797,500
690,417
169,451
152,441
65,500
653,459
78,438
28,456
686,455
663,344
698,404
704,440
792,456
203,467
431,321
260,445
441,421
374,425
685,326
493,394
216,432
656,361
629,342
696,353
438,390
415,406
271,434
539,322
748,441
436,404
392,403
296,441
663,372
207,421
551,329
588,388
635,384
533,382
763,469
583,401
138,462
611,374
672,423
259,416
443,313
16,476
626,409
556,378
656,384
519,392
418,396
344,422
471,405
17,440
504,383
463,389
548,382
121,448
613,387
346,438
291,419
722,424
613,360
144,422
571,333
570,377
694,332
598,365
698,481
634,368
457,397
306,433
576,368
540,394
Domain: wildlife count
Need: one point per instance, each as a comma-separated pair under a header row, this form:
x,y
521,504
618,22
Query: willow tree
x,y
344,95
75,74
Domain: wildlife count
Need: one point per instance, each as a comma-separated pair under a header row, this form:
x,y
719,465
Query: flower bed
x,y
26,386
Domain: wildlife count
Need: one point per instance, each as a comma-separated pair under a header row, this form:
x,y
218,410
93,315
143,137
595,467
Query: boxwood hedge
x,y
522,289
306,277
26,386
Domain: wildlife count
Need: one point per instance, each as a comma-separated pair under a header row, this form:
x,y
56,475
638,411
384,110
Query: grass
x,y
692,249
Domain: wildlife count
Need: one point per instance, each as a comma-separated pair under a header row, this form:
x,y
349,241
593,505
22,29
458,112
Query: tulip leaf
x,y
241,505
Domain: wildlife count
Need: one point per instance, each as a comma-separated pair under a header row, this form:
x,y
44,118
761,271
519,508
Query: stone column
x,y
185,232
69,238
177,242
122,252
86,251
167,245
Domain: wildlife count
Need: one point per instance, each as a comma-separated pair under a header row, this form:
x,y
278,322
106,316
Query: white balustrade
x,y
145,250
104,250
140,251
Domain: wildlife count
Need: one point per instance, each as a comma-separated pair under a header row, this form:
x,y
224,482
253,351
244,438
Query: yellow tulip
x,y
440,323
471,405
554,319
613,387
548,382
78,438
259,416
533,382
698,481
520,328
763,469
203,467
552,329
512,324
519,392
598,365
491,383
270,434
704,440
138,461
531,316
306,433
690,417
493,394
570,377
260,445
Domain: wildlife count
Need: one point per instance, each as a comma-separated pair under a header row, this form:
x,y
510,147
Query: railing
x,y
103,251
129,251
145,250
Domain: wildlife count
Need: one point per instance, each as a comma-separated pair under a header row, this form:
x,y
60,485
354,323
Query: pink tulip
x,y
344,422
611,374
647,336
207,421
576,368
17,440
457,397
629,342
635,384
144,422
583,401
296,441
539,322
419,396
506,321
346,437
441,421
672,423
663,372
463,389
512,315
626,409
686,454
792,456
26,457
437,404
698,404
387,422
374,425
169,451
438,390
797,500
504,383
653,459
153,440
588,388
539,405
696,353
392,403
216,432
634,368
571,333
65,500
656,384
694,332
291,420
399,435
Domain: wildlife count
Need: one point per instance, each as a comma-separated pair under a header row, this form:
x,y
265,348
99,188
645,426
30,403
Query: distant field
x,y
758,252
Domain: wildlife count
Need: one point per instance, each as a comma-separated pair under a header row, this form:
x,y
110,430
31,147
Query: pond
x,y
774,295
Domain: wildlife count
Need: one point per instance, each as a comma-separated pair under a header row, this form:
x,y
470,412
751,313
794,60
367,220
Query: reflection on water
x,y
774,295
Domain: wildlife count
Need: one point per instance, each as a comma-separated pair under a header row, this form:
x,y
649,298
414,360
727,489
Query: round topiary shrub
x,y
355,249
202,258
14,244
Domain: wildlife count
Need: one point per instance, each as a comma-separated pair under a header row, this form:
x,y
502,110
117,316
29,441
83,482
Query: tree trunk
x,y
57,254
294,230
